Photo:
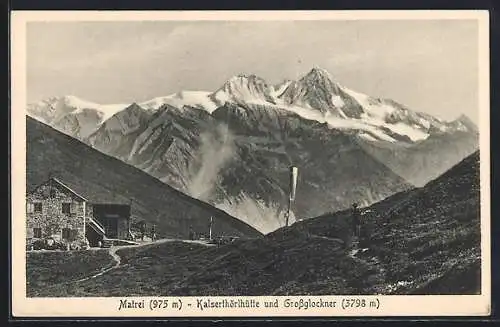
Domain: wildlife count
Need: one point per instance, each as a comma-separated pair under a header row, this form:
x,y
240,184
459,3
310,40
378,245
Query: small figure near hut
x,y
153,233
356,220
191,233
142,228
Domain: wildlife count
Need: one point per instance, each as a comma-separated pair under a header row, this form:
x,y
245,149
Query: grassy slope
x,y
104,179
250,267
424,235
425,241
48,270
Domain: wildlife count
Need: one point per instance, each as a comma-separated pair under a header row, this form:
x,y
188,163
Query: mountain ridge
x,y
250,88
248,132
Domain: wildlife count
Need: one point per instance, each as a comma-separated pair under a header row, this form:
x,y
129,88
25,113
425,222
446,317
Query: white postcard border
x,y
429,305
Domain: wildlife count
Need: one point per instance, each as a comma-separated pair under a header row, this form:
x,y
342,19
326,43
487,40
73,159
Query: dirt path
x,y
117,259
334,239
117,262
340,242
356,253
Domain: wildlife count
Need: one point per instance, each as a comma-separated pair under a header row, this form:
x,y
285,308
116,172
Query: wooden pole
x,y
288,211
129,224
291,195
210,229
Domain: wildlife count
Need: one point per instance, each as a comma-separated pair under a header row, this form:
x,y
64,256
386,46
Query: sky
x,y
428,65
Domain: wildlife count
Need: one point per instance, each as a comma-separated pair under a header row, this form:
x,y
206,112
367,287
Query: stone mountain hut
x,y
54,210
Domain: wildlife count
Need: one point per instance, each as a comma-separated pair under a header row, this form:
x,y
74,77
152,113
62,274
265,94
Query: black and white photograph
x,y
254,158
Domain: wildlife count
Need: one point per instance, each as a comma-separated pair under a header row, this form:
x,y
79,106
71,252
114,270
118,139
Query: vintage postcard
x,y
261,164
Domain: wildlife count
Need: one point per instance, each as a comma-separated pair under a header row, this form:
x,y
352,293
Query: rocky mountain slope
x,y
237,159
72,115
105,179
232,147
425,160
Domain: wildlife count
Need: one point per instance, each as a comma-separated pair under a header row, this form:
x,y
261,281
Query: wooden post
x,y
129,231
287,215
210,228
84,221
291,197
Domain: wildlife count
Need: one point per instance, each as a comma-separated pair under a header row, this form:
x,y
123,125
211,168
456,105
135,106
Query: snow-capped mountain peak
x,y
317,91
317,73
73,115
123,122
244,88
466,123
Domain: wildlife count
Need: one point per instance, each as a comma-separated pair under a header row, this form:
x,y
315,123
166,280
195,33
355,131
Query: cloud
x,y
264,217
217,148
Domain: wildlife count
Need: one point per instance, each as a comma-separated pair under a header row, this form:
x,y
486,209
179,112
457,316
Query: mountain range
x,y
232,147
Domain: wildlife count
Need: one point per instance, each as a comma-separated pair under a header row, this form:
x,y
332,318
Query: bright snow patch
x,y
425,123
336,122
279,91
374,110
106,110
222,97
247,98
367,136
243,95
197,99
155,103
337,101
413,133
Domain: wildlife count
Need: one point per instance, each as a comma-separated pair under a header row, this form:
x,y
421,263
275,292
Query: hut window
x,y
66,233
66,208
37,232
37,207
73,207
